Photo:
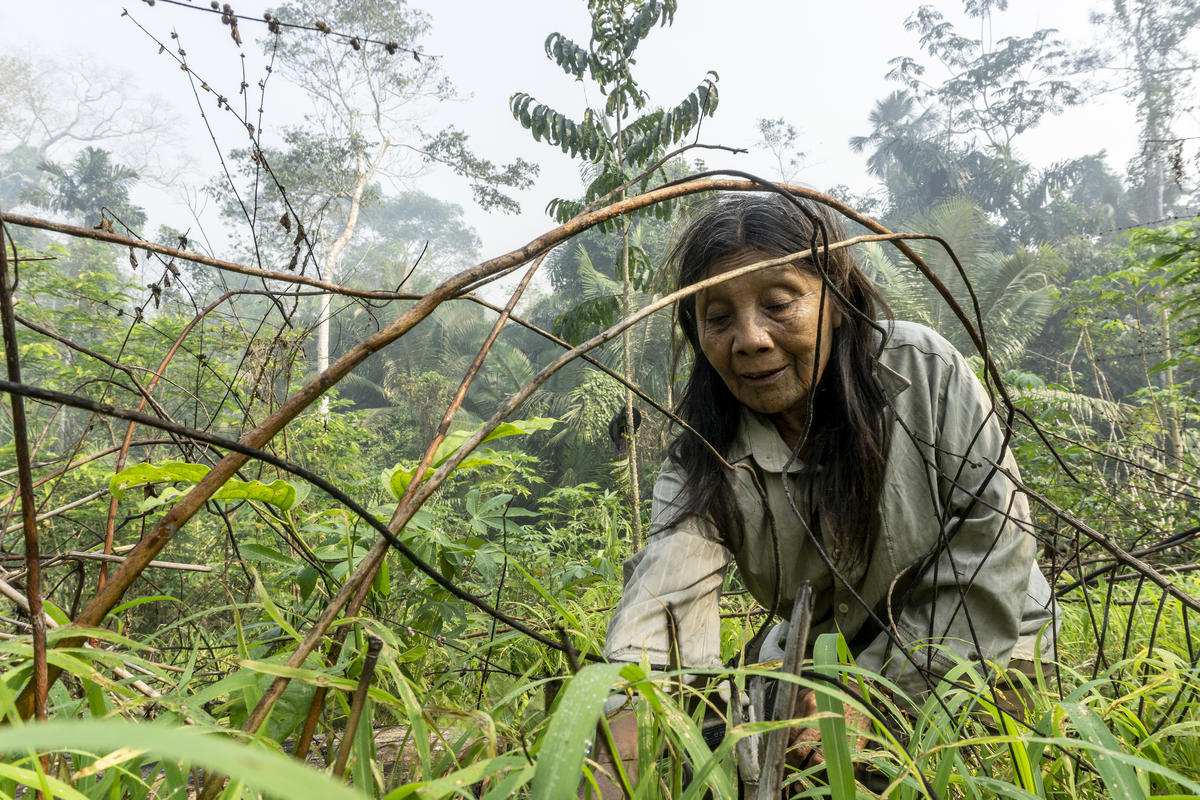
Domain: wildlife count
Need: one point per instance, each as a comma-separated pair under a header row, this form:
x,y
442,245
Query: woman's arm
x,y
674,580
968,594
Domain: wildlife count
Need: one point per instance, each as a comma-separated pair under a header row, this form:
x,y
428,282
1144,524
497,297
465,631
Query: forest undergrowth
x,y
462,703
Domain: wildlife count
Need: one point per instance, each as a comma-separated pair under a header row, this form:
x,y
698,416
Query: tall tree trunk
x,y
334,255
1155,133
635,494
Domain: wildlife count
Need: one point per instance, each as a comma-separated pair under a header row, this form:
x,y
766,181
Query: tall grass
x,y
1127,731
483,712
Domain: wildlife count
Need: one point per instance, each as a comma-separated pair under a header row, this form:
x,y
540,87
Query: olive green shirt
x,y
981,594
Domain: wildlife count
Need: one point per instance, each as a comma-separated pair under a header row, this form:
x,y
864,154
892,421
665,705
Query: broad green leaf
x,y
257,552
155,473
279,493
283,495
55,613
381,584
521,426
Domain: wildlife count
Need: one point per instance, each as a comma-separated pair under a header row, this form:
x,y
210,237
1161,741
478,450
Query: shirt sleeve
x,y
969,594
677,575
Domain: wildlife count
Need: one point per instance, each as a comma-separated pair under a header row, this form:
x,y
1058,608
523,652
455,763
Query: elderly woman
x,y
864,459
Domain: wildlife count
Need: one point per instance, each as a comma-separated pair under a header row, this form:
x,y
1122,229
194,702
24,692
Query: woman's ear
x,y
836,315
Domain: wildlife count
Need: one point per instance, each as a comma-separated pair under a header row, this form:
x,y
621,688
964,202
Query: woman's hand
x,y
805,748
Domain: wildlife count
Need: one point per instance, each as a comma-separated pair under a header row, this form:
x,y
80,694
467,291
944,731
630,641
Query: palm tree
x,y
1013,291
92,181
907,153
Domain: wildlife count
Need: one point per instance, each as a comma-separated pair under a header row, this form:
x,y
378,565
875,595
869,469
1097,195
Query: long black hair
x,y
847,433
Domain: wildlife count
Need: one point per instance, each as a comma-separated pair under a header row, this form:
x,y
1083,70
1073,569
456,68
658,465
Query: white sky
x,y
819,65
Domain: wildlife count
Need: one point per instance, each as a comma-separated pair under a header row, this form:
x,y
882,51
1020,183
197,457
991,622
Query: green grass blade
x,y
1118,776
264,597
562,610
36,779
685,731
571,731
508,787
272,773
834,746
460,782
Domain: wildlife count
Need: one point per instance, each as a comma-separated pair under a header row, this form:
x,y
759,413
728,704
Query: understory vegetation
x,y
323,517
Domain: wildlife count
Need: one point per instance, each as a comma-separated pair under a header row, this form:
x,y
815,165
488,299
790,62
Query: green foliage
x,y
611,138
571,730
1170,258
262,773
398,478
449,147
995,90
280,493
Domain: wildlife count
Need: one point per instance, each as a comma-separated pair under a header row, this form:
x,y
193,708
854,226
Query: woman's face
x,y
759,332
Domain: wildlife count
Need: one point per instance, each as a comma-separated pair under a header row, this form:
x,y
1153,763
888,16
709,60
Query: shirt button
x,y
843,608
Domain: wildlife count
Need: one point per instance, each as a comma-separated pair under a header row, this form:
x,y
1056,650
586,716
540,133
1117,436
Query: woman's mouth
x,y
764,376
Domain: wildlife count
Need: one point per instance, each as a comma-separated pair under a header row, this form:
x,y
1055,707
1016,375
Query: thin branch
x,y
33,582
62,509
197,258
78,555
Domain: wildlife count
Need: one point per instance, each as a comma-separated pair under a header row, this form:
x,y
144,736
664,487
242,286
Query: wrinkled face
x,y
759,332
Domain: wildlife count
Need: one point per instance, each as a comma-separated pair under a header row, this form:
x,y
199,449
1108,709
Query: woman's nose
x,y
750,336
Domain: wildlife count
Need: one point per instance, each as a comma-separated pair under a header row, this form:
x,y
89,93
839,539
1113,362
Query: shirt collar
x,y
757,436
893,382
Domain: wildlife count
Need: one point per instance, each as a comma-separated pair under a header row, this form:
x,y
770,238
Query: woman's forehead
x,y
789,275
